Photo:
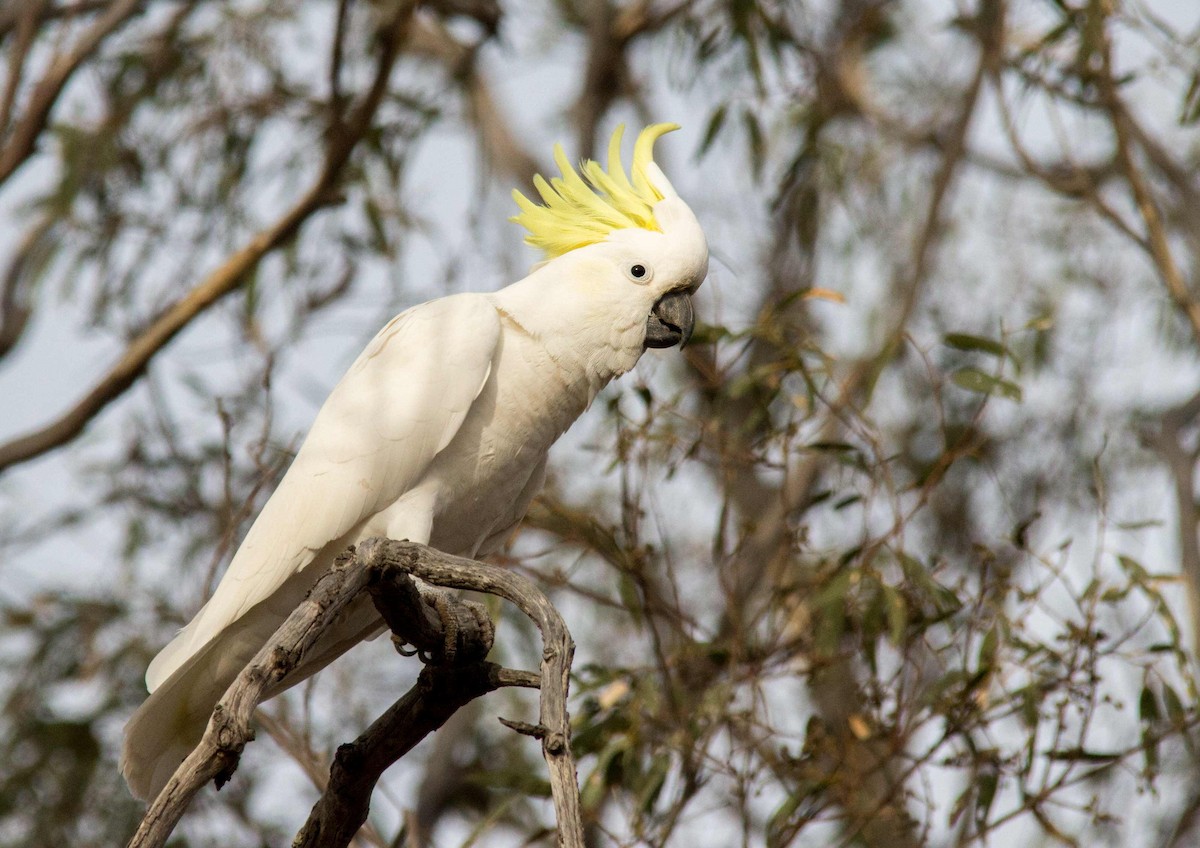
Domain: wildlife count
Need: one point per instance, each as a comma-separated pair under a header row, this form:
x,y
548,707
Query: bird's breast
x,y
484,478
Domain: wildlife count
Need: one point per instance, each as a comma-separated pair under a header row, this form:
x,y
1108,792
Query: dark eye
x,y
639,273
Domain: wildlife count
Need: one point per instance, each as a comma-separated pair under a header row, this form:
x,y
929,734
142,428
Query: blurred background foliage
x,y
903,549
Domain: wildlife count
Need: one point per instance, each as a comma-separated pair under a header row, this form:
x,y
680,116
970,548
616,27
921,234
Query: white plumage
x,y
438,433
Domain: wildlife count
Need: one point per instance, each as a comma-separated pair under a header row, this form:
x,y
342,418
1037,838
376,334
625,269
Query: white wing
x,y
400,403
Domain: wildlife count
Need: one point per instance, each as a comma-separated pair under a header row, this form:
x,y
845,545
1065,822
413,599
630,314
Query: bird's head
x,y
625,240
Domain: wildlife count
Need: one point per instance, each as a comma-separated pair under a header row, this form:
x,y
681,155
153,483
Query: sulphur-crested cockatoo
x,y
439,431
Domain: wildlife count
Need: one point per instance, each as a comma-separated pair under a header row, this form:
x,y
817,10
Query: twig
x,y
15,309
26,24
11,15
501,148
1156,234
336,61
1180,460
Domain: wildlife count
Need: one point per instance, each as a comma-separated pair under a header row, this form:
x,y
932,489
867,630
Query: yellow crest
x,y
581,211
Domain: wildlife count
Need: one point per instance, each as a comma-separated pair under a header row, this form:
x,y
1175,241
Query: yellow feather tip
x,y
583,207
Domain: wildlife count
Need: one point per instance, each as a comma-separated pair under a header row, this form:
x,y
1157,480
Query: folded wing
x,y
401,402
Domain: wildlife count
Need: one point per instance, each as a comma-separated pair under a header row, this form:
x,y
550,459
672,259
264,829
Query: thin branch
x,y
227,278
1156,233
336,61
646,17
501,148
611,29
1066,178
10,16
606,75
21,143
1180,462
26,23
15,309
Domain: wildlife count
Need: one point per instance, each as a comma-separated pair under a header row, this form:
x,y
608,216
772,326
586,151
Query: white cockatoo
x,y
439,431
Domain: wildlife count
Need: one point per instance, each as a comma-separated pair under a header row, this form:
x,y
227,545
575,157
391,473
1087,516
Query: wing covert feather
x,y
397,407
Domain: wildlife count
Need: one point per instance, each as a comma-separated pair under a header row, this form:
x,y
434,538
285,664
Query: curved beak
x,y
671,320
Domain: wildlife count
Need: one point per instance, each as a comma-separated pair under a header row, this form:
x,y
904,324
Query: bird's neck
x,y
578,330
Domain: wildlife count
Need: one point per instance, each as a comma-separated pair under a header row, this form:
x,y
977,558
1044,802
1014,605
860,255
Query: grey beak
x,y
671,320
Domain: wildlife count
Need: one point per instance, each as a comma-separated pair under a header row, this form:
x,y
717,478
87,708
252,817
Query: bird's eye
x,y
638,272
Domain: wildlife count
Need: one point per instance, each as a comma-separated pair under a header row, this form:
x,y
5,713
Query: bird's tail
x,y
169,725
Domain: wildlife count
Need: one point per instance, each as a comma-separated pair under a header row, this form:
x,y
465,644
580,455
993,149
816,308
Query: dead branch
x,y
441,691
228,276
558,649
296,744
458,636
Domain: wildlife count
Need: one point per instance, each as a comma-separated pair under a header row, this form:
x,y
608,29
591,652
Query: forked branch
x,y
558,649
457,638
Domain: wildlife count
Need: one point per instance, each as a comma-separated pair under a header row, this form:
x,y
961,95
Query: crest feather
x,y
582,207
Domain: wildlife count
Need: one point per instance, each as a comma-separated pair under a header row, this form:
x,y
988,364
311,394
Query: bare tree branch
x,y
558,649
315,767
458,637
337,57
441,690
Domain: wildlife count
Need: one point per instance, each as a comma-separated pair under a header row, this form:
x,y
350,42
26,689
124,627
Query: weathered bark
x,y
456,640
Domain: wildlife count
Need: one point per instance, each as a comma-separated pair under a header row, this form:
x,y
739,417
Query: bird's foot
x,y
446,612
